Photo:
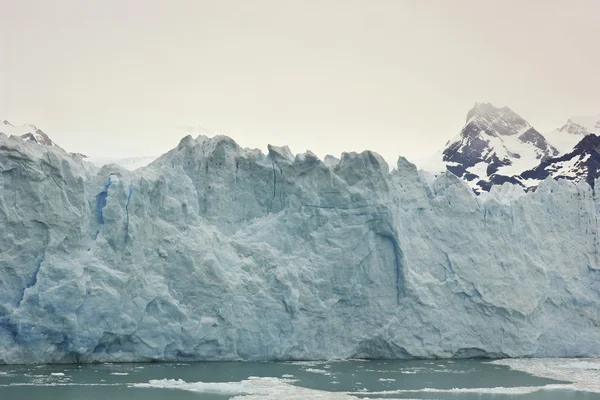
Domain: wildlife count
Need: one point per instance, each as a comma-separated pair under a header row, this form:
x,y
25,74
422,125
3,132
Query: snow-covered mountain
x,y
26,132
494,146
581,164
566,137
31,133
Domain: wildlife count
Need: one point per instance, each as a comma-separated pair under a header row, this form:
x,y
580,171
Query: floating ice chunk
x,y
243,387
318,371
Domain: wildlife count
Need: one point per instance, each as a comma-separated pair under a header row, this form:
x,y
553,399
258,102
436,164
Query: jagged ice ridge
x,y
214,252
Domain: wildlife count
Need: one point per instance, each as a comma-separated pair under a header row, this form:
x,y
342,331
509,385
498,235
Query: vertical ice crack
x,y
397,268
274,184
127,210
100,204
34,277
399,279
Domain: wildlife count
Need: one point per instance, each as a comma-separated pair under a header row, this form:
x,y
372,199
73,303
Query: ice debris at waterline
x,y
583,372
261,388
214,252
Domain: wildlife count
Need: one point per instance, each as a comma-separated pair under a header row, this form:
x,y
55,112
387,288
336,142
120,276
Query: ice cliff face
x,y
214,252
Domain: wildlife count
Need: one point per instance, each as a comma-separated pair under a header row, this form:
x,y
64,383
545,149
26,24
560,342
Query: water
x,y
344,380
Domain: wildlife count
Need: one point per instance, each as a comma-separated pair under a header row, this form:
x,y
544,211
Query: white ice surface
x,y
243,387
129,163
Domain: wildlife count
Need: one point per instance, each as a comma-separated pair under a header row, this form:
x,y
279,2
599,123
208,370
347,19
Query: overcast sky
x,y
116,77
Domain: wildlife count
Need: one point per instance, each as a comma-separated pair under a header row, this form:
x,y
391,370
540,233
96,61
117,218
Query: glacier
x,y
215,252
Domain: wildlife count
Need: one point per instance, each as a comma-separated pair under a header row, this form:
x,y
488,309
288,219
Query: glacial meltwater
x,y
530,379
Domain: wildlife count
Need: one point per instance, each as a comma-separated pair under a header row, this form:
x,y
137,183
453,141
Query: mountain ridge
x,y
27,132
495,146
581,164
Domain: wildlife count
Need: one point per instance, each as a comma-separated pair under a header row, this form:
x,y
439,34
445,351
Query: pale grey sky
x,y
115,77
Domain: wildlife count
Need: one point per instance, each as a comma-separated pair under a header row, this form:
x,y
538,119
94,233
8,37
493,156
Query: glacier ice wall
x,y
214,252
